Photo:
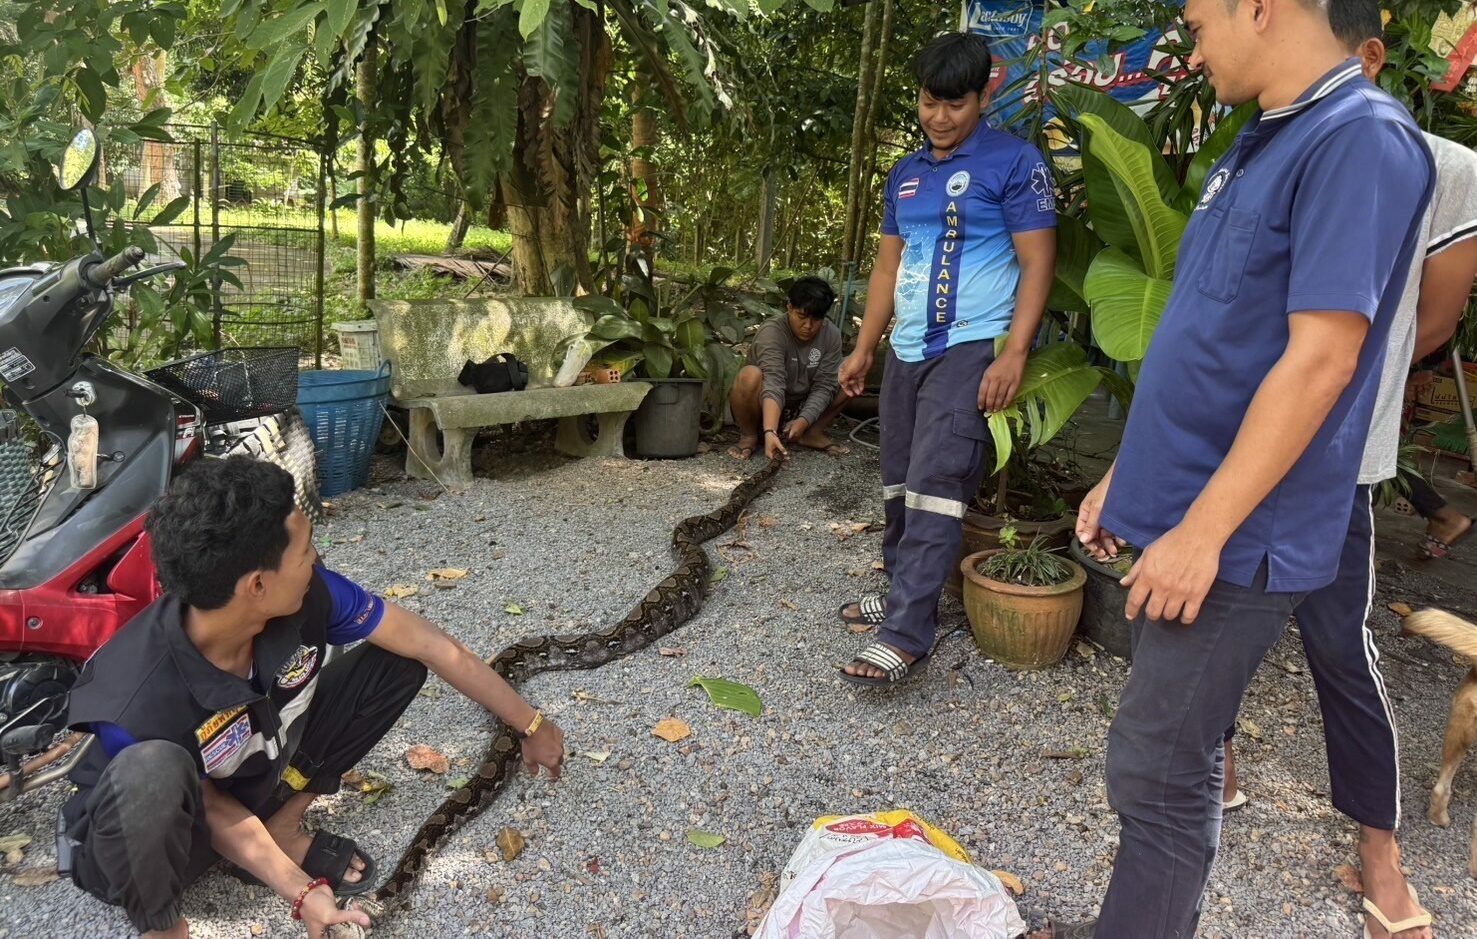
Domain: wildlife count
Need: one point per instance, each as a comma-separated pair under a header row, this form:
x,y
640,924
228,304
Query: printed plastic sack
x,y
883,876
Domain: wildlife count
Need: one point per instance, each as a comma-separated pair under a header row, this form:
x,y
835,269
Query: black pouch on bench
x,y
501,372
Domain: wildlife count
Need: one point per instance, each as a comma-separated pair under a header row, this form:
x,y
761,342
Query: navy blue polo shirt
x,y
959,272
1317,206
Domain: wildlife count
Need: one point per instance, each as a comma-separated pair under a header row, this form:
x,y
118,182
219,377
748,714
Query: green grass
x,y
415,236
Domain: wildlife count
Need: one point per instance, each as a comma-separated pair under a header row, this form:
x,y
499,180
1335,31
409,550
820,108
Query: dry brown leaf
x,y
353,779
1401,610
257,929
400,592
510,843
672,652
759,902
767,521
421,756
858,527
1348,875
35,877
600,757
1249,727
860,628
672,729
446,573
878,566
1011,882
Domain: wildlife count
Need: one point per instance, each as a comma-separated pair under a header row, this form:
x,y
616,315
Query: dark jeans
x,y
144,838
1423,495
1165,755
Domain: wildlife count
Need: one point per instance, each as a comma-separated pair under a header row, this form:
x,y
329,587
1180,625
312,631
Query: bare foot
x,y
295,844
818,441
868,670
745,447
180,930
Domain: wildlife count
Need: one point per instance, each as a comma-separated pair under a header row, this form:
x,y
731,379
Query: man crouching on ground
x,y
232,702
789,392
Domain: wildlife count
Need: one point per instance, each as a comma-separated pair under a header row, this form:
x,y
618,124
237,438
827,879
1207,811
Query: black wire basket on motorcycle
x,y
236,383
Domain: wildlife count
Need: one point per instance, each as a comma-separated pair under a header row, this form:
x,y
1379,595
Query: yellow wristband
x,y
534,725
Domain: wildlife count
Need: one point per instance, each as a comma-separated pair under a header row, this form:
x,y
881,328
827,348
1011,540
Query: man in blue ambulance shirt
x,y
967,255
1238,465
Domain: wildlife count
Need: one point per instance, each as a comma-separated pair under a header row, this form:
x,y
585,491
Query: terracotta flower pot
x,y
982,532
1021,627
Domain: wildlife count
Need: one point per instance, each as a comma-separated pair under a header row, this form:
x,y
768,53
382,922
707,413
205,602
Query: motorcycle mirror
x,y
79,162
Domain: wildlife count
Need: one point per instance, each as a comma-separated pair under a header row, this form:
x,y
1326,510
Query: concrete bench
x,y
428,341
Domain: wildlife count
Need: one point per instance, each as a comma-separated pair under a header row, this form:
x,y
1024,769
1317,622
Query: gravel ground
x,y
1009,763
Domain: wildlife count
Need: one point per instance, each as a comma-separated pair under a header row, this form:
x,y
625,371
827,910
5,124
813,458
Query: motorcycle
x,y
75,564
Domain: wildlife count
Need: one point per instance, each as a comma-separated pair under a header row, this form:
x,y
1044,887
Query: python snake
x,y
667,606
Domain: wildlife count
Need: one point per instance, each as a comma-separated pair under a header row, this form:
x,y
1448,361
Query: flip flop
x,y
871,611
1436,549
329,857
882,656
1235,802
1423,918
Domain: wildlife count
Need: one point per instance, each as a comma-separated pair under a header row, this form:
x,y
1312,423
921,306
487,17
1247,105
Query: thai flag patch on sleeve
x,y
909,188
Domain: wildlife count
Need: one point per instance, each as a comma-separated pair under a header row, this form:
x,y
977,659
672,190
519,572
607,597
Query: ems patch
x,y
909,187
231,741
215,722
299,668
958,183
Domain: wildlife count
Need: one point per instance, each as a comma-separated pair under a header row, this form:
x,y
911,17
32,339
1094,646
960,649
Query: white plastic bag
x,y
888,888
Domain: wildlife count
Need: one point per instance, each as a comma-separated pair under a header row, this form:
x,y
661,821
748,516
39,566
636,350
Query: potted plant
x,y
1104,600
1023,601
678,348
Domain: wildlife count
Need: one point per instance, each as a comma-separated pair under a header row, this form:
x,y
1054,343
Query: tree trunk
x,y
645,187
459,227
764,244
869,133
547,190
158,158
858,129
365,90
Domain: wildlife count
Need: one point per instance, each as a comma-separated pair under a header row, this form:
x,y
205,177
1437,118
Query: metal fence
x,y
267,191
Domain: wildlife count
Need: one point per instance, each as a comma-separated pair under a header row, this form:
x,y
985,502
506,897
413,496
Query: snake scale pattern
x,y
667,606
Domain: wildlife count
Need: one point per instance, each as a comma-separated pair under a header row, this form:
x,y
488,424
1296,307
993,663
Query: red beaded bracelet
x,y
297,905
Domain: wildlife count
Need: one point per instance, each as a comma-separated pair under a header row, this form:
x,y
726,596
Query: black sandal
x,y
871,611
329,857
894,667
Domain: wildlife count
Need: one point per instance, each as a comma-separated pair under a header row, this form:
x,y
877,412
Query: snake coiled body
x,y
667,606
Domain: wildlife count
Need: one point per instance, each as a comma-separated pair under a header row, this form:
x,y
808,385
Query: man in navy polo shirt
x,y
967,255
1238,465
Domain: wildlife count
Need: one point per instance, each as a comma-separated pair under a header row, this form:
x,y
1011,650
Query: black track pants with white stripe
x,y
935,444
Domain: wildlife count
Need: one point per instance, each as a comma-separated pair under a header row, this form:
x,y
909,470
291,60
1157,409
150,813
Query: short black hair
x,y
219,521
812,296
1354,21
953,65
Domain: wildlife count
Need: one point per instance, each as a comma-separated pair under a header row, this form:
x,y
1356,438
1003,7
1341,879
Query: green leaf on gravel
x,y
730,694
718,576
458,782
513,609
704,839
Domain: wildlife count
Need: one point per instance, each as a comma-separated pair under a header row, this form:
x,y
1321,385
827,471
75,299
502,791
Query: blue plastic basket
x,y
343,411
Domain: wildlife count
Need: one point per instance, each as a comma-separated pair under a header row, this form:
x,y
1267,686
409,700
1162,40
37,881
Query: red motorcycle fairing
x,y
83,606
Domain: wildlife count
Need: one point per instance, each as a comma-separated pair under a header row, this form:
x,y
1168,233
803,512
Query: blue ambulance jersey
x,y
959,271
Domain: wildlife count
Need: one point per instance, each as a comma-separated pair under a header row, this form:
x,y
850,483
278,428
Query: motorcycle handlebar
x,y
102,273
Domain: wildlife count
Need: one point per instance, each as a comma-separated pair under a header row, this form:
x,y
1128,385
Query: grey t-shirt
x,y
803,376
1450,218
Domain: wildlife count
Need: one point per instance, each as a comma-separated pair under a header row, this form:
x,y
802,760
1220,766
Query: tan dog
x,y
1459,636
